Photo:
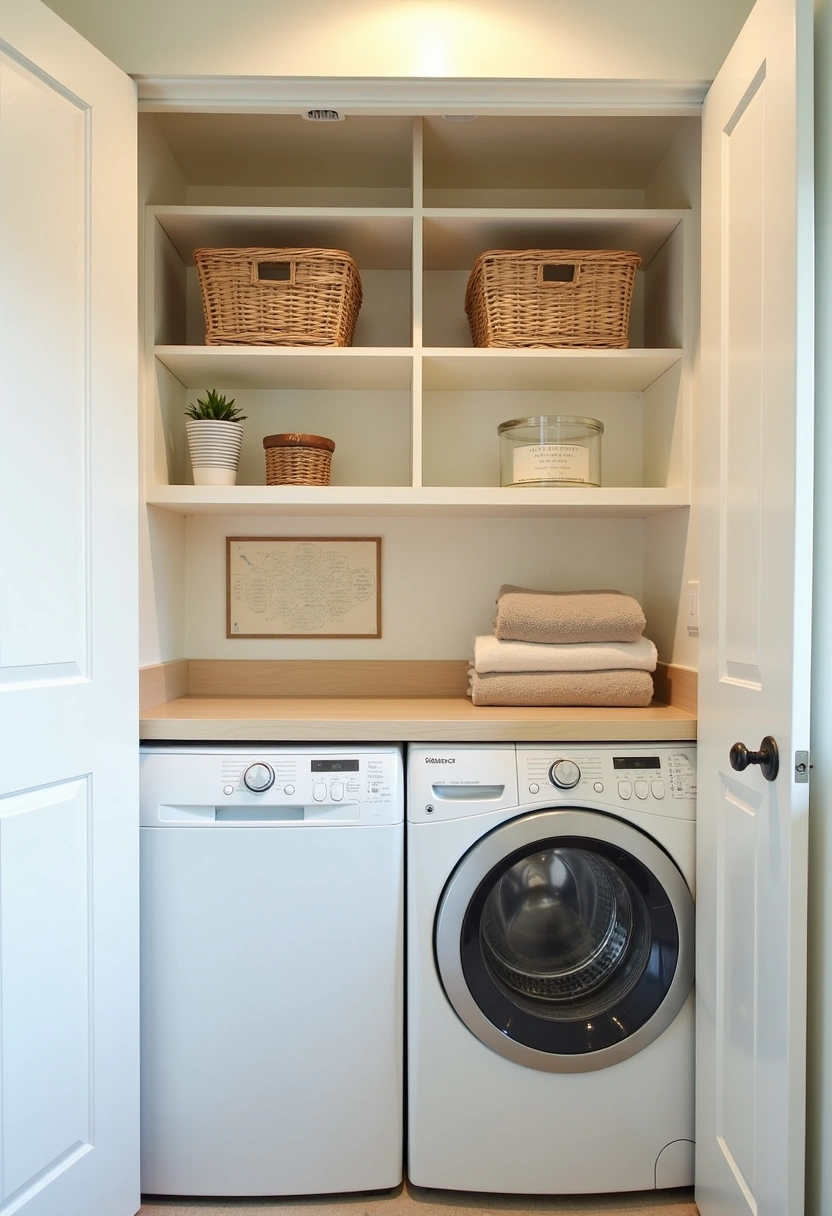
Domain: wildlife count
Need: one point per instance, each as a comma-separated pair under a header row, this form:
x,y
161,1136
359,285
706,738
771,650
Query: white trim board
x,y
389,95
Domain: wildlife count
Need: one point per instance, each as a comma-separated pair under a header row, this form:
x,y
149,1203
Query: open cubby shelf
x,y
412,406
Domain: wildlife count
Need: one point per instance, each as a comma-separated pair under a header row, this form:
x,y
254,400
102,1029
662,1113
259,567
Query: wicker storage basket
x,y
298,460
278,297
551,297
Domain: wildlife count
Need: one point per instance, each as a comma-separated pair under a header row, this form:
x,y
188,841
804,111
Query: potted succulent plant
x,y
215,438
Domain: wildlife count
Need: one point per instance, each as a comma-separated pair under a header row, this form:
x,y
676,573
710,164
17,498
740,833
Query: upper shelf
x,y
542,370
263,151
392,368
300,367
454,238
379,238
582,502
382,238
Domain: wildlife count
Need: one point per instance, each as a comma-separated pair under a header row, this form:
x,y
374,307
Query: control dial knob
x,y
564,774
259,777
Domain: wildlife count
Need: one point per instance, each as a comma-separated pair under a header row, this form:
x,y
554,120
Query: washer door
x,y
564,940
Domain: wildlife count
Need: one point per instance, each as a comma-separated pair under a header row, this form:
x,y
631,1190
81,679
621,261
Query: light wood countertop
x,y
405,719
216,701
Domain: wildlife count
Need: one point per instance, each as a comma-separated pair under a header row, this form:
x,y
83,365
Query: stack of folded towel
x,y
573,648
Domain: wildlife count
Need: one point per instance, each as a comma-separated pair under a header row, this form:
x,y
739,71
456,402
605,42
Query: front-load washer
x,y
272,985
550,966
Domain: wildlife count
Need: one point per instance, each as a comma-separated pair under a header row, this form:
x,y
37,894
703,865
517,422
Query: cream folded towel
x,y
628,689
525,615
490,654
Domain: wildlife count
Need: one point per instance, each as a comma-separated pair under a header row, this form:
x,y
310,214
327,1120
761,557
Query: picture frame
x,y
303,586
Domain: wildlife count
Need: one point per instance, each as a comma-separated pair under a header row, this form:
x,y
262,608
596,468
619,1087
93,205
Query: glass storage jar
x,y
552,450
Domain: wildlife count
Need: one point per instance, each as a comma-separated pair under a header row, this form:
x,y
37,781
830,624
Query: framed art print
x,y
303,586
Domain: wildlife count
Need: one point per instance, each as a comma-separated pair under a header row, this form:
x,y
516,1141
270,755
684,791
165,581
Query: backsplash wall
x,y
440,578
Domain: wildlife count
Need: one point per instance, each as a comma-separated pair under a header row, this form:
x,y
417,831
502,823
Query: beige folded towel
x,y
525,615
490,654
629,689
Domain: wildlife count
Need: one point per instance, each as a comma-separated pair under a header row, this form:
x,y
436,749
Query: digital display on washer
x,y
636,762
334,766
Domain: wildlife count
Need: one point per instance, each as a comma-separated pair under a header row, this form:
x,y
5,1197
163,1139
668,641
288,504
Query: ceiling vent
x,y
324,115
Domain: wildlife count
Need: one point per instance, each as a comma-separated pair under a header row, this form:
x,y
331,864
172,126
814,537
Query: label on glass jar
x,y
551,462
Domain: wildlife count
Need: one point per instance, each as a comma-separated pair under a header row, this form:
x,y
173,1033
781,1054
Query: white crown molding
x,y
390,95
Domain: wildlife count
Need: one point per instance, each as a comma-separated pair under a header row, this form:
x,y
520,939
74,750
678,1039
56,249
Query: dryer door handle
x,y
468,793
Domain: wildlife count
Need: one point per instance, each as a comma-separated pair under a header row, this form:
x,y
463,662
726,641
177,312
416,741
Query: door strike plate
x,y
801,767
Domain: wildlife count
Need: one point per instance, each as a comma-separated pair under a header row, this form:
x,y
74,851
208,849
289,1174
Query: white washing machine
x,y
550,966
272,972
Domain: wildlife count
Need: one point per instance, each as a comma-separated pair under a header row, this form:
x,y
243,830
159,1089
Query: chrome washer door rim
x,y
526,832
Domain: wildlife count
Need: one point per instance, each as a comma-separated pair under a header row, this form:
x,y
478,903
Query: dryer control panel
x,y
657,777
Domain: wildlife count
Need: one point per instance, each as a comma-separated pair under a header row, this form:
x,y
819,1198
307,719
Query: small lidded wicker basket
x,y
551,297
298,460
278,297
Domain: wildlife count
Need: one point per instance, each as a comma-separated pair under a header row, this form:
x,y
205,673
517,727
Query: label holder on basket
x,y
284,275
558,274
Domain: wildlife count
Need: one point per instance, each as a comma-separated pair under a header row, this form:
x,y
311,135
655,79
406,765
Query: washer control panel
x,y
302,778
659,777
266,783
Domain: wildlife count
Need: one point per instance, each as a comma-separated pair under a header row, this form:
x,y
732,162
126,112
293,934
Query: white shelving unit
x,y
412,406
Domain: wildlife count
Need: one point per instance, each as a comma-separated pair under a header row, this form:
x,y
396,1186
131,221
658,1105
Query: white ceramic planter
x,y
214,447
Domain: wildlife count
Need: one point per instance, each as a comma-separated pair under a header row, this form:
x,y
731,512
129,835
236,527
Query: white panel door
x,y
68,634
757,329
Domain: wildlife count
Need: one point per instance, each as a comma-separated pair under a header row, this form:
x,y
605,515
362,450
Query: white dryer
x,y
550,966
272,901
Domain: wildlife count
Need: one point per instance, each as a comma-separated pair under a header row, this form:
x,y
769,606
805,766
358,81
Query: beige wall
x,y
641,39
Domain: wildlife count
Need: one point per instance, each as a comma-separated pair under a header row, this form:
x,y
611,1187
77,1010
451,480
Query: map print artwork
x,y
303,587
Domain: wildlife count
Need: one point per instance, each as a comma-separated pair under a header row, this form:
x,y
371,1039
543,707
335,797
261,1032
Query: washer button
x,y
319,791
288,789
228,790
625,789
598,787
657,789
336,791
642,788
534,788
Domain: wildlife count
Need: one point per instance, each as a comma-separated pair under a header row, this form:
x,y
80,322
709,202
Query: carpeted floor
x,y
418,1201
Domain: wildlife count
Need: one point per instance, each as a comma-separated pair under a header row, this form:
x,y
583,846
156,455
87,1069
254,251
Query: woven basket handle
x,y
558,274
270,273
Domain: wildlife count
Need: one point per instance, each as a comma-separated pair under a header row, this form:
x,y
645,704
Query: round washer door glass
x,y
564,940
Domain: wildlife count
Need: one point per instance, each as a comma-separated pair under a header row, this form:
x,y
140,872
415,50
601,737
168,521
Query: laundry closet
x,y
705,474
413,408
415,193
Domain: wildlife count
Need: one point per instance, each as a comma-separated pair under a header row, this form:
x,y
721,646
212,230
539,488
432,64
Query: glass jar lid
x,y
591,424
